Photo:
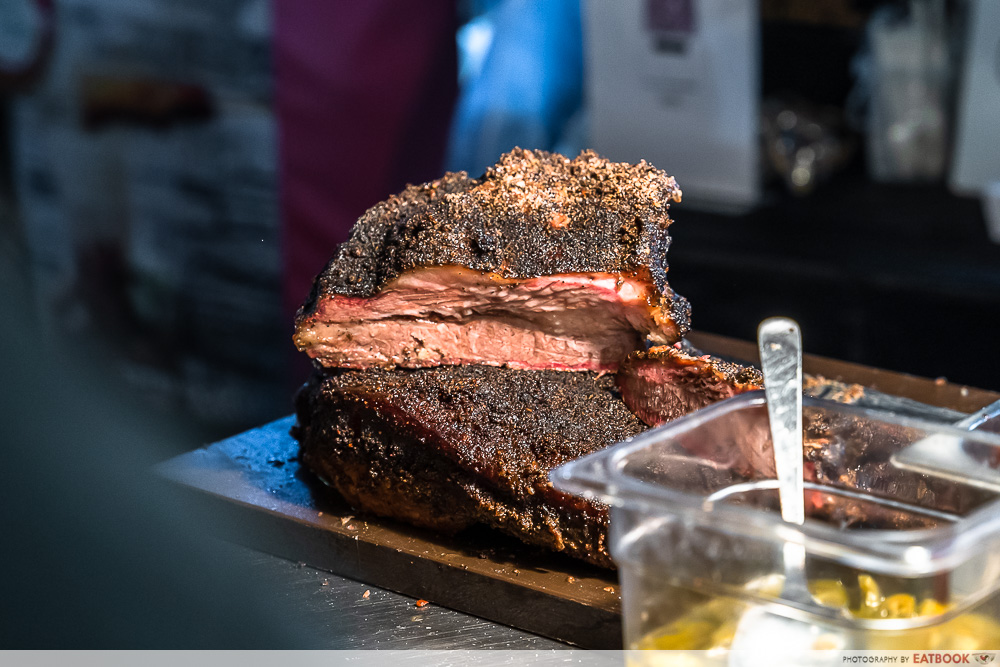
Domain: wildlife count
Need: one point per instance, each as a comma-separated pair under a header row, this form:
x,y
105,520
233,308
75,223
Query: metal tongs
x,y
948,456
956,458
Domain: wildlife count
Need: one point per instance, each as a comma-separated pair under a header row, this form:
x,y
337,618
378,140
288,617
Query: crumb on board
x,y
366,595
609,589
570,580
326,582
422,603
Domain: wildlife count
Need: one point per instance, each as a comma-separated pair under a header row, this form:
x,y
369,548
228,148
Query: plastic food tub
x,y
894,559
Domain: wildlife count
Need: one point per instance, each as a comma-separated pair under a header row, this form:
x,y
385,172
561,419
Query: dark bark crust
x,y
449,447
532,214
745,377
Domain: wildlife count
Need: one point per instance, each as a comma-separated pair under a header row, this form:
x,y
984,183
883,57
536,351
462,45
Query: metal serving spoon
x,y
780,343
763,637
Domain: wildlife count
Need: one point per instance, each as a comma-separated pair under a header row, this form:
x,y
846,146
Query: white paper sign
x,y
676,82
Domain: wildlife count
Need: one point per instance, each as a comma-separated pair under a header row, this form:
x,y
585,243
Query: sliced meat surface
x,y
666,382
455,315
543,262
450,447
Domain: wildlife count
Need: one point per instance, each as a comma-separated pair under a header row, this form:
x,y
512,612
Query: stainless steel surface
x,y
338,614
980,417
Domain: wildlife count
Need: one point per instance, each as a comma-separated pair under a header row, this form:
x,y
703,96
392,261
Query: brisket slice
x,y
449,447
543,262
667,382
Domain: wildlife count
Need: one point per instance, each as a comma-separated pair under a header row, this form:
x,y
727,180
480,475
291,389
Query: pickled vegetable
x,y
713,625
830,593
708,626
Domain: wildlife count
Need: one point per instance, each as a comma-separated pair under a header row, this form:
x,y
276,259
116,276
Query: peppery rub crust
x,y
745,377
453,446
532,214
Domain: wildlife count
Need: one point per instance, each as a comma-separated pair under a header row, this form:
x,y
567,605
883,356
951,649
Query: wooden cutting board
x,y
270,503
253,482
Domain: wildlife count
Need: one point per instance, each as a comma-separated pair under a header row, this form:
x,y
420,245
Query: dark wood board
x,y
254,480
254,483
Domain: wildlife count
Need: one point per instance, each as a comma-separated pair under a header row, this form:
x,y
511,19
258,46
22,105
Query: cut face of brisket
x,y
450,447
544,262
667,382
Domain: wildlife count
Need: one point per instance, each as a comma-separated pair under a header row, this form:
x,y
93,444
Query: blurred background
x,y
173,174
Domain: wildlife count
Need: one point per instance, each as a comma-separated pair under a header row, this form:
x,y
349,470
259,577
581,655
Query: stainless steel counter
x,y
339,616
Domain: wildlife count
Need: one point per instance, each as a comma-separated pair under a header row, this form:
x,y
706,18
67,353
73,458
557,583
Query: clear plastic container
x,y
894,559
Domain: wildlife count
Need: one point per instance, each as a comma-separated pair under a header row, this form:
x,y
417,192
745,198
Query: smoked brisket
x,y
450,447
543,262
666,382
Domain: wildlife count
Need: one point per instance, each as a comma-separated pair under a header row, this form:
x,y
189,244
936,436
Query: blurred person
x,y
522,67
364,95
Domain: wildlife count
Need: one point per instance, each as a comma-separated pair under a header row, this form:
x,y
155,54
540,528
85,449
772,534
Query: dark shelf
x,y
899,277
